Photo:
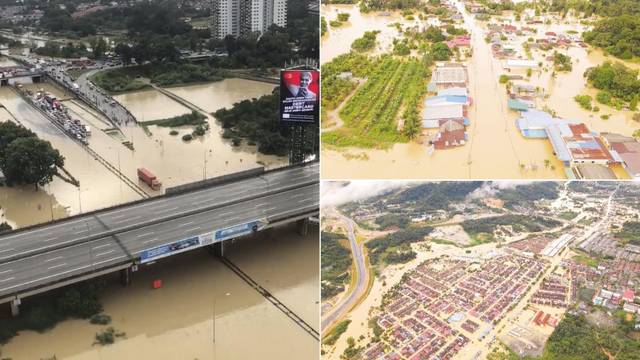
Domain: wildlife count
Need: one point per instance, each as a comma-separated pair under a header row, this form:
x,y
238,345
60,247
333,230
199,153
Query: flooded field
x,y
222,94
496,148
149,105
177,321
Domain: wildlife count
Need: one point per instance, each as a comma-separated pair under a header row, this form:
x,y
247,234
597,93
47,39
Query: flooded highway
x,y
177,320
171,159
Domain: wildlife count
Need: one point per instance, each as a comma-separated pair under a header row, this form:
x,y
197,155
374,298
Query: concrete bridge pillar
x,y
15,307
217,249
303,227
125,276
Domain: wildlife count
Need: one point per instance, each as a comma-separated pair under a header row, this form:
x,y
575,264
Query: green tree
x,y
30,161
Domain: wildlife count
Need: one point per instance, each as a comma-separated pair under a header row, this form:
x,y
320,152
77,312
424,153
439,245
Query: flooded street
x,y
5,62
173,160
496,148
99,187
177,321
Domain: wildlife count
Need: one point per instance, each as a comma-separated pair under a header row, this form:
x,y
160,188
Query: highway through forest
x,y
346,303
49,253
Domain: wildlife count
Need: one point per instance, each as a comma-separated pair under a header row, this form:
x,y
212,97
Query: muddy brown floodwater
x,y
495,149
177,321
171,159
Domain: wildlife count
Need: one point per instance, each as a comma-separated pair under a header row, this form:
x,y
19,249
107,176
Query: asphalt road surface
x,y
346,303
41,255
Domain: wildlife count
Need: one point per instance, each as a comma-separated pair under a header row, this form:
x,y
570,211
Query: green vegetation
x,y
335,88
100,319
44,312
167,74
369,5
584,101
336,261
575,338
435,195
365,43
619,84
26,159
370,116
562,62
619,36
568,215
630,233
441,52
187,137
334,334
323,26
483,229
503,79
108,336
53,49
395,248
392,220
192,118
258,121
343,17
525,195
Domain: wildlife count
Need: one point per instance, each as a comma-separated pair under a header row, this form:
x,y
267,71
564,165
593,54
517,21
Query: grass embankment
x,y
44,312
171,74
370,116
334,334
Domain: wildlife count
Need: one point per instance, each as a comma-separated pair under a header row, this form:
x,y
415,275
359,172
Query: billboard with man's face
x,y
299,95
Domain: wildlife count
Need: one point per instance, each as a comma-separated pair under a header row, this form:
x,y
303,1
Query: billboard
x,y
237,230
169,249
300,96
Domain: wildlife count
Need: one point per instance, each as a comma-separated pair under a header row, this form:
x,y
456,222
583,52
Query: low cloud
x,y
334,193
490,189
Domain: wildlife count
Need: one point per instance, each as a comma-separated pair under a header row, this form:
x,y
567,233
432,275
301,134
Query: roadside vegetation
x,y
24,158
336,262
334,334
42,313
365,43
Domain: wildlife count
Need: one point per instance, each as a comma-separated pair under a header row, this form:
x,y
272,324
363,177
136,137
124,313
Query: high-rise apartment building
x,y
245,17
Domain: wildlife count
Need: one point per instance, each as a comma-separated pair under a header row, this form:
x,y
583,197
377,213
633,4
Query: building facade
x,y
242,18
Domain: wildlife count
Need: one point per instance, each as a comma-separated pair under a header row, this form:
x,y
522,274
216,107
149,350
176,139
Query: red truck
x,y
149,179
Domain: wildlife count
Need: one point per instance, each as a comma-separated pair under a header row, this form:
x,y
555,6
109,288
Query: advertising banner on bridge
x,y
299,96
169,249
237,230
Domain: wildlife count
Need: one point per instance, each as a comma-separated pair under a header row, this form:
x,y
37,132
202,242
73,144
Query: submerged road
x,y
354,295
46,254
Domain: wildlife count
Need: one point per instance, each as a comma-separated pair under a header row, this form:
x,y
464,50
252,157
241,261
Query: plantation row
x,y
371,115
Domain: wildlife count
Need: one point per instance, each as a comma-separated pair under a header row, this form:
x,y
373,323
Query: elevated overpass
x,y
41,258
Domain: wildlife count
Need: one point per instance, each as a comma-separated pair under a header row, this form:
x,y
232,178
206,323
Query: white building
x,y
245,17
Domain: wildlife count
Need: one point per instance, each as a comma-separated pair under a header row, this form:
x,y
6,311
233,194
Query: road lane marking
x,y
54,259
150,241
190,230
7,279
145,234
6,271
101,246
185,224
105,253
104,261
56,266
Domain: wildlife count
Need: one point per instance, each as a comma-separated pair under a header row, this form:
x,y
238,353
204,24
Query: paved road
x,y
51,253
346,303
